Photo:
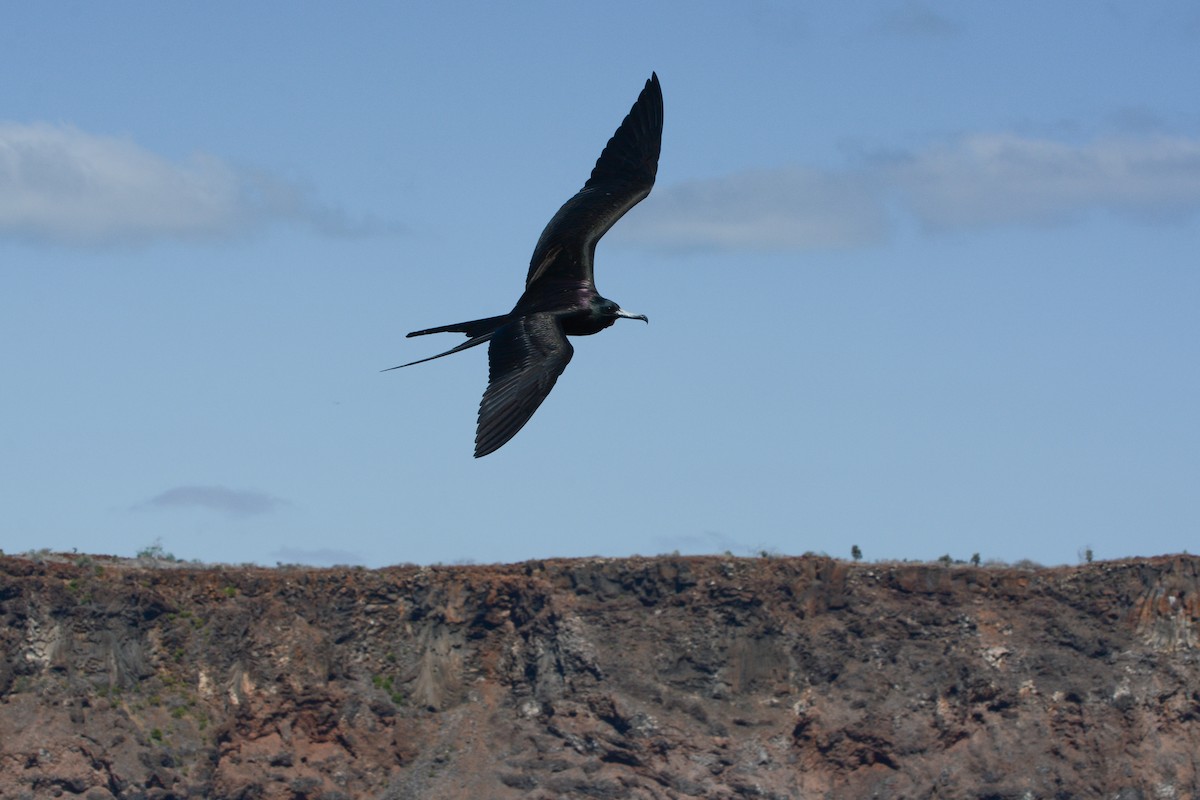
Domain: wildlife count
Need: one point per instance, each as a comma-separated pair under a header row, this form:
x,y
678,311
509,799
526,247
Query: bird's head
x,y
612,312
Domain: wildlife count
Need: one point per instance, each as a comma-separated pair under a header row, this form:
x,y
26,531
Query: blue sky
x,y
921,278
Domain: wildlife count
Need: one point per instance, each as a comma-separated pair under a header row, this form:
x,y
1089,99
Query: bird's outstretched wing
x,y
623,175
525,358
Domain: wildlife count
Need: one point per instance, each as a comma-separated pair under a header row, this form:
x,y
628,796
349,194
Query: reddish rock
x,y
599,678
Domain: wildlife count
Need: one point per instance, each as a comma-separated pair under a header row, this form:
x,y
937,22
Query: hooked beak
x,y
623,313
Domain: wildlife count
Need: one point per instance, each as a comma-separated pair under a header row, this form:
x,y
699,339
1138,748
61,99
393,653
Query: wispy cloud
x,y
62,185
321,556
234,502
705,542
917,19
972,182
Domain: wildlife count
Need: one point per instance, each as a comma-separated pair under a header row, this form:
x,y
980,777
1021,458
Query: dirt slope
x,y
635,678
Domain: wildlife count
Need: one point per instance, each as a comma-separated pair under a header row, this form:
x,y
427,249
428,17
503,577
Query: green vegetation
x,y
155,552
37,556
385,683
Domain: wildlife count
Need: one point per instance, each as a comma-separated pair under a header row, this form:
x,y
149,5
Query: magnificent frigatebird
x,y
529,347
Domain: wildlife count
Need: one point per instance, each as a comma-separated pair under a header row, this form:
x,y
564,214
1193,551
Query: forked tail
x,y
476,327
469,343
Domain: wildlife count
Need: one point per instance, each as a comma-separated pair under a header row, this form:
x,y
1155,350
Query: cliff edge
x,y
669,677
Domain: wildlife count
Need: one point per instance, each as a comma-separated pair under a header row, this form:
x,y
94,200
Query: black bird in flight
x,y
529,347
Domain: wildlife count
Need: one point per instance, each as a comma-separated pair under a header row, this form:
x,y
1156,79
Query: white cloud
x,y
59,184
785,209
974,182
235,502
1003,179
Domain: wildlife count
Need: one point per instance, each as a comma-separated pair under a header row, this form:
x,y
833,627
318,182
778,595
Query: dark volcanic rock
x,y
636,678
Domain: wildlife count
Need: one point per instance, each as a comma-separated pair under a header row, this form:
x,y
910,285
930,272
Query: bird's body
x,y
528,347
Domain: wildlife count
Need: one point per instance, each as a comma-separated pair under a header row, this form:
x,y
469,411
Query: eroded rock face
x,y
635,678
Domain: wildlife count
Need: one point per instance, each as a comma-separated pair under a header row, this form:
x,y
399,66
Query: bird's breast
x,y
584,323
573,304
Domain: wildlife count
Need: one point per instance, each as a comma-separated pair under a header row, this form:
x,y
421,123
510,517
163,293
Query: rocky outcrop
x,y
662,678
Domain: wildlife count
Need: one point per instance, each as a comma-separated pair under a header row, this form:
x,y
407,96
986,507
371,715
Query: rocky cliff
x,y
668,677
